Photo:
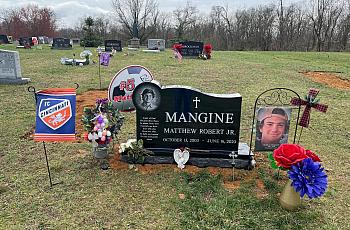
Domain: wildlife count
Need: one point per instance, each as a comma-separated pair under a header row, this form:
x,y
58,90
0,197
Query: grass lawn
x,y
90,198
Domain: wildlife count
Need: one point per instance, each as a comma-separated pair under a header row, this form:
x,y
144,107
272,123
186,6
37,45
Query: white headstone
x,y
10,68
158,44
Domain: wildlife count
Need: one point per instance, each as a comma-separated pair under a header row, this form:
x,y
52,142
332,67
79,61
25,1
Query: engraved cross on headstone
x,y
196,100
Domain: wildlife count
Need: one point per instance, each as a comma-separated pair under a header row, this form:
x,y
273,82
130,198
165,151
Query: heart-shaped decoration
x,y
181,157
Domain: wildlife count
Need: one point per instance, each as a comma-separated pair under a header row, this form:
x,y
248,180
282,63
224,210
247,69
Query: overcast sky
x,y
70,12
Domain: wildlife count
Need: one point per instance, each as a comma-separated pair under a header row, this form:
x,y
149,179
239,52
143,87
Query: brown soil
x,y
239,174
87,99
328,78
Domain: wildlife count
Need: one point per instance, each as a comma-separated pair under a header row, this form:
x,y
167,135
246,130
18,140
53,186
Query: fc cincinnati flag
x,y
55,115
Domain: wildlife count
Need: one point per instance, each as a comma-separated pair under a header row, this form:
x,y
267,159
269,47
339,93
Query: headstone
x,y
134,43
25,42
61,43
10,68
4,39
43,40
113,44
122,86
76,41
156,44
191,49
177,117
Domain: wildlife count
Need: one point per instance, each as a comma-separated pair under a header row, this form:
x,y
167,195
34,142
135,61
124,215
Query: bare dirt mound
x,y
328,78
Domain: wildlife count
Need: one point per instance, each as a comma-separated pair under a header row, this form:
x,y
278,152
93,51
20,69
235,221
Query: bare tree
x,y
142,13
102,26
184,18
280,14
324,15
29,21
344,28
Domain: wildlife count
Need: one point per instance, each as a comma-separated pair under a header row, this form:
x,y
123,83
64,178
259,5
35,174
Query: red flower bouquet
x,y
177,47
304,170
207,50
287,155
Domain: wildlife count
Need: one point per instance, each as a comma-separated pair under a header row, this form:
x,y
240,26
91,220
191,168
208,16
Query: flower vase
x,y
100,152
290,199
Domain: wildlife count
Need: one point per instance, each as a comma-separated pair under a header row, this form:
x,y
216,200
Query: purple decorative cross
x,y
310,102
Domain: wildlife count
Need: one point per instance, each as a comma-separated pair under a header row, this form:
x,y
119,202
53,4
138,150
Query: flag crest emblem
x,y
55,112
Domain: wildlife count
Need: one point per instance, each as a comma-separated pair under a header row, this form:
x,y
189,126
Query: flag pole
x,y
47,164
99,68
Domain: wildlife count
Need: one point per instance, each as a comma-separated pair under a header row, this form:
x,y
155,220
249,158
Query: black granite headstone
x,y
25,41
191,49
61,43
4,39
170,118
115,44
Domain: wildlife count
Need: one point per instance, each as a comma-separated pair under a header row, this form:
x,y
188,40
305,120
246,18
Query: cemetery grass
x,y
87,197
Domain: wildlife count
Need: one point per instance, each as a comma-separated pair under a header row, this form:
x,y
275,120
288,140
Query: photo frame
x,y
272,127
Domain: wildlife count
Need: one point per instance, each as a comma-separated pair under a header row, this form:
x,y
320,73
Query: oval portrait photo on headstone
x,y
147,96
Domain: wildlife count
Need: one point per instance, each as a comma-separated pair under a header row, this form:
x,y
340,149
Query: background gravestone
x,y
10,68
191,49
25,42
43,40
5,39
156,44
115,44
61,43
76,41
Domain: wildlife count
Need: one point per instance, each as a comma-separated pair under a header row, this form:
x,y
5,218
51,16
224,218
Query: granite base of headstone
x,y
134,43
242,161
10,68
151,51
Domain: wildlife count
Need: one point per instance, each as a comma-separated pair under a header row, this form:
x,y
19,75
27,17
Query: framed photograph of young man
x,y
272,127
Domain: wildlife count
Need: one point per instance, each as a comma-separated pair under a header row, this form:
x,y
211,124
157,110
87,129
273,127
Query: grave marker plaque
x,y
178,116
10,68
191,49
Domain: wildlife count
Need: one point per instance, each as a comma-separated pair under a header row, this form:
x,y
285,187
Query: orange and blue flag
x,y
55,115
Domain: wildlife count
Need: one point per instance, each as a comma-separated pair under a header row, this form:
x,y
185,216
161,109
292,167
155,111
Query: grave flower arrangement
x,y
304,169
102,122
177,47
134,150
207,51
